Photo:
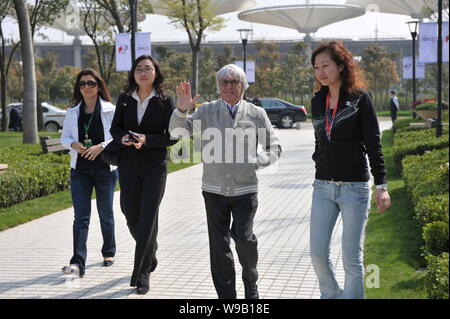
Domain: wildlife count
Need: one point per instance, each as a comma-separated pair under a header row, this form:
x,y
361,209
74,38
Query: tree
x,y
61,87
381,73
175,67
227,57
6,9
102,19
30,133
268,70
208,69
196,17
296,73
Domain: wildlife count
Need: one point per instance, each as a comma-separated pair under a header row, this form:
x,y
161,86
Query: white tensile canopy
x,y
305,18
413,8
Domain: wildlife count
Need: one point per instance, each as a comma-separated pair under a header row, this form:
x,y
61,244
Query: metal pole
x,y
414,34
133,9
244,43
439,80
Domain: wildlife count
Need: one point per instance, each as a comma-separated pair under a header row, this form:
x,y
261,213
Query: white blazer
x,y
70,129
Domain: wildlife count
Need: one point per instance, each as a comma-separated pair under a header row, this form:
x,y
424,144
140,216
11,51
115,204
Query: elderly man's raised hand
x,y
184,98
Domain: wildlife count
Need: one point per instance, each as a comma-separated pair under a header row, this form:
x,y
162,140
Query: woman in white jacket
x,y
85,134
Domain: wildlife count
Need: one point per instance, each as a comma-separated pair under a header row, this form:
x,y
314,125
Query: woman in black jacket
x,y
141,124
346,130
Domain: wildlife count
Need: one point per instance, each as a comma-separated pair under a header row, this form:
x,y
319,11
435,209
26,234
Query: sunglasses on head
x,y
89,83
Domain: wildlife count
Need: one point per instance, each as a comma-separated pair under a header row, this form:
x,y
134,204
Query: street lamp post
x,y
244,33
133,13
413,30
439,65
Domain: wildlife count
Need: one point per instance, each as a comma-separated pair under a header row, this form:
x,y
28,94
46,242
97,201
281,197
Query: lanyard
x,y
329,118
86,127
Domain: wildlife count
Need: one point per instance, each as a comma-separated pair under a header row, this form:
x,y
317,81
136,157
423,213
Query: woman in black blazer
x,y
141,124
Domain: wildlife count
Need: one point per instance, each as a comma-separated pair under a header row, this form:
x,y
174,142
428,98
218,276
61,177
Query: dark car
x,y
281,113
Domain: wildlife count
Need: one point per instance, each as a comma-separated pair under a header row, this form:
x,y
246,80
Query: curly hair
x,y
102,87
158,84
352,77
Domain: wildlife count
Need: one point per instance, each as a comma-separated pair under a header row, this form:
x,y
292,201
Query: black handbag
x,y
111,153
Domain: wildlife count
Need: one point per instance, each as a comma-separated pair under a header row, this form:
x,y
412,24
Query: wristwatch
x,y
382,186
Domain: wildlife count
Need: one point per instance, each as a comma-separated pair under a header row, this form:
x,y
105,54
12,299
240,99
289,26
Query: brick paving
x,y
32,254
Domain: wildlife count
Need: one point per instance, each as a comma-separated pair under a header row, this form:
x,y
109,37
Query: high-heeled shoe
x,y
108,262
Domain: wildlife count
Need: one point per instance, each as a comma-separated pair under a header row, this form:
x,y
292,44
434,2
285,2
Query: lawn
x,y
35,208
393,240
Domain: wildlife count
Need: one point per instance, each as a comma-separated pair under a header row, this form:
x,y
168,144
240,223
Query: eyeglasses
x,y
90,84
232,82
146,70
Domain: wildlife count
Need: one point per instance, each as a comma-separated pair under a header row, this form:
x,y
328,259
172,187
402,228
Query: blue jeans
x,y
352,201
82,182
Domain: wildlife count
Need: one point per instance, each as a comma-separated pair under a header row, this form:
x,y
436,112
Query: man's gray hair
x,y
231,71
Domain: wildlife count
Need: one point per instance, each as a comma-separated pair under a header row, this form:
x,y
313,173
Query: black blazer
x,y
355,133
154,124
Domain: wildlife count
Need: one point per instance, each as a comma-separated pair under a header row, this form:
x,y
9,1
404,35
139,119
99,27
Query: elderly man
x,y
230,130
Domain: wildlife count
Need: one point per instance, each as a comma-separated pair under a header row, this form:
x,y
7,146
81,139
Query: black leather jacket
x,y
354,135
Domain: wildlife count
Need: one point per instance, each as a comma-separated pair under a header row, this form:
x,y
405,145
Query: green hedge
x,y
426,178
403,124
435,235
31,174
416,142
432,208
436,278
426,174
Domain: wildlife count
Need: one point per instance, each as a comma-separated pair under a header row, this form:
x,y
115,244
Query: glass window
x,y
276,104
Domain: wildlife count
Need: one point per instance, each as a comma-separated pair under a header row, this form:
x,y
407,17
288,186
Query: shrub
x,y
401,124
31,174
427,106
436,278
435,235
415,143
432,208
426,174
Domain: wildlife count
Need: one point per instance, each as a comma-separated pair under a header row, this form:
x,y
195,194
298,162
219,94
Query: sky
x,y
388,25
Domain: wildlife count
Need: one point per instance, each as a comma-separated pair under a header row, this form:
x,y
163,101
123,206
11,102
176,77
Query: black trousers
x,y
393,115
142,188
219,210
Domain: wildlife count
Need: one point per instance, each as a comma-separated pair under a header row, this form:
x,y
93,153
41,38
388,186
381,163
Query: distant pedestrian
x,y
346,130
86,134
394,106
15,119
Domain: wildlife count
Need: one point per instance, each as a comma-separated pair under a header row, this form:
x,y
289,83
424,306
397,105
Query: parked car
x,y
53,117
281,113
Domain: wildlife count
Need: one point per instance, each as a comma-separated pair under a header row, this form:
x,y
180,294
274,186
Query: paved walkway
x,y
31,255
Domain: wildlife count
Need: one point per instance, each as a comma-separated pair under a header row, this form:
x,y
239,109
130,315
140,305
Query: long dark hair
x,y
102,87
351,76
158,84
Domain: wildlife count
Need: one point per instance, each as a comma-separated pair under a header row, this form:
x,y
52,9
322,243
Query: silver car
x,y
53,117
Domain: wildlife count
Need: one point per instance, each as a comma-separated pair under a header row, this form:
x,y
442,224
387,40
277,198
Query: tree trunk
x,y
40,119
30,133
5,115
195,56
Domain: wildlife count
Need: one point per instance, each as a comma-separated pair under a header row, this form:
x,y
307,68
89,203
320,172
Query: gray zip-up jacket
x,y
229,146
